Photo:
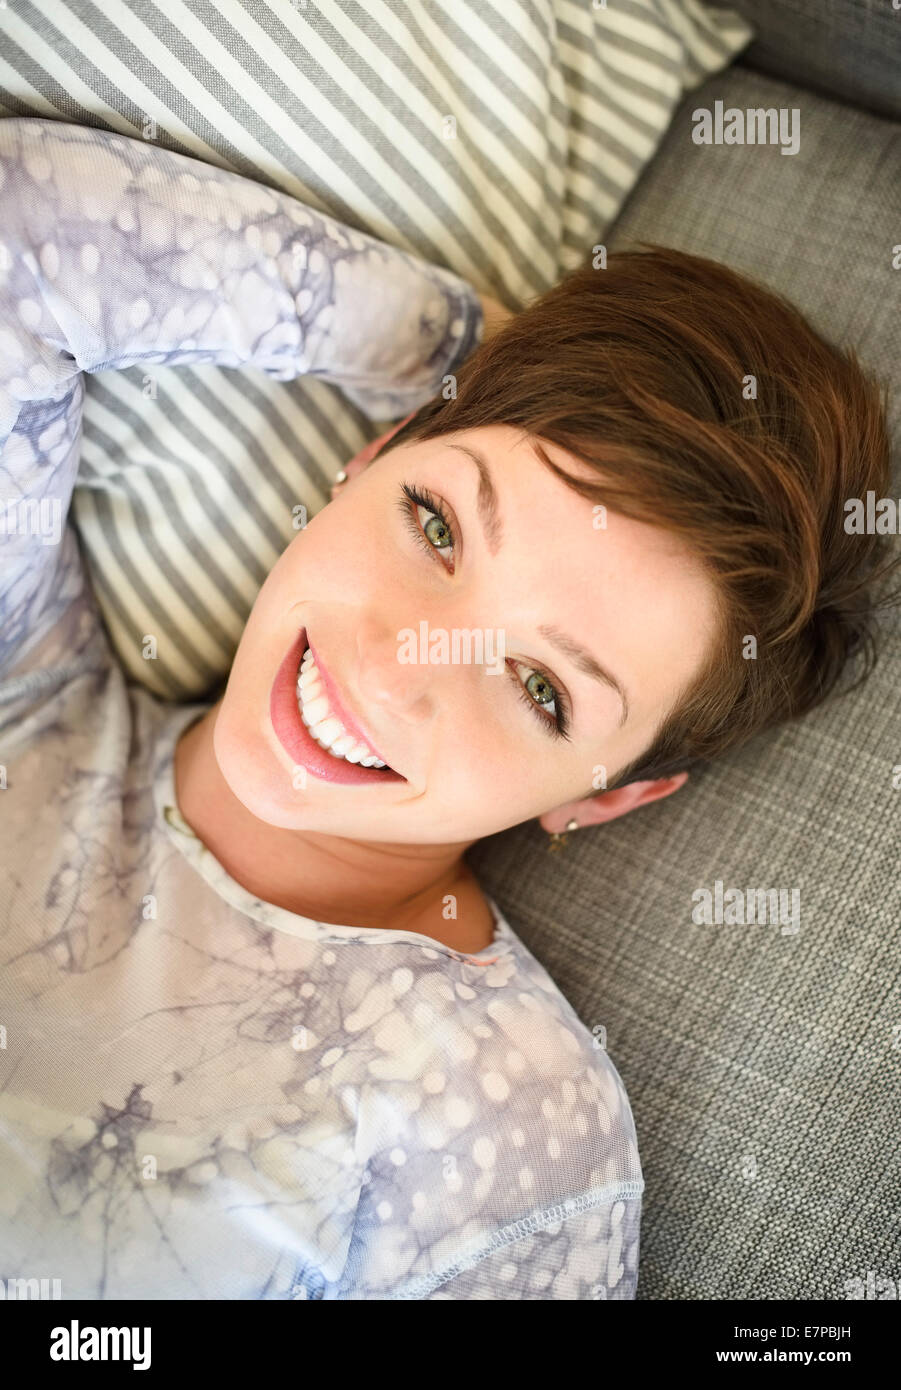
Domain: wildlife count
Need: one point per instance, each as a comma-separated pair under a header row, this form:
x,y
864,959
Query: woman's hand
x,y
495,315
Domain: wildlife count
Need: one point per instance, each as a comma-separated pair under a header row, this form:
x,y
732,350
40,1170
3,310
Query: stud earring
x,y
558,841
341,477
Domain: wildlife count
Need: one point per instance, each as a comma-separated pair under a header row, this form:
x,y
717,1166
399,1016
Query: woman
x,y
265,1035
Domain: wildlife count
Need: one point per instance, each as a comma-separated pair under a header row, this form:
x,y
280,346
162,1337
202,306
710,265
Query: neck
x,y
329,878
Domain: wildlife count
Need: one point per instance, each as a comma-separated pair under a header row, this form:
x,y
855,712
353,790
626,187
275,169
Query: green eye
x,y
438,532
545,693
435,534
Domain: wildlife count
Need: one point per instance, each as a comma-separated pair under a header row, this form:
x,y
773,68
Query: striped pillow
x,y
499,138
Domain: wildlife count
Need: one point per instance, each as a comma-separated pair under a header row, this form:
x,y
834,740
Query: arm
x,y
537,1197
114,252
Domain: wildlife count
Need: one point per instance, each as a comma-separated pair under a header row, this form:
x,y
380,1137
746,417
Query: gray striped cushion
x,y
186,500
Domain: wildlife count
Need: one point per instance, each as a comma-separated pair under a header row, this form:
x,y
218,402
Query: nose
x,y
389,678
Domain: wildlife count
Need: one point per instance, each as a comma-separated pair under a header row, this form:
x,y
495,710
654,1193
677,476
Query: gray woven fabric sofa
x,y
764,1067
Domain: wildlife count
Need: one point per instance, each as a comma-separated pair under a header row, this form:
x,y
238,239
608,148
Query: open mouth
x,y
305,719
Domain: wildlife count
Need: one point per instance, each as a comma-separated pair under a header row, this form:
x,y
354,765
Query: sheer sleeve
x,y
592,1254
514,1172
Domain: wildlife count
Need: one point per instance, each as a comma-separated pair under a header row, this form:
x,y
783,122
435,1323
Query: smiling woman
x,y
266,1037
299,997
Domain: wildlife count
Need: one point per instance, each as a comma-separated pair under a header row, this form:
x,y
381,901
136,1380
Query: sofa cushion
x,y
846,49
762,1066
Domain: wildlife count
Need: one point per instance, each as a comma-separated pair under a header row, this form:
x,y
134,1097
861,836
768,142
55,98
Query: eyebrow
x,y
488,511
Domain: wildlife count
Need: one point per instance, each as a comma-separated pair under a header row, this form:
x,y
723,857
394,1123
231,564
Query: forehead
x,y
633,593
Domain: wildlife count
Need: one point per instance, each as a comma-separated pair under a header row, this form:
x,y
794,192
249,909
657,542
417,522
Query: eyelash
x,y
557,727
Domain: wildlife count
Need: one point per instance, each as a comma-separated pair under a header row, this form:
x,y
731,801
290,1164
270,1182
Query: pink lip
x,y
296,739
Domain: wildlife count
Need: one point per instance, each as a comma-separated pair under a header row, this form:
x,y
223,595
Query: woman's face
x,y
471,735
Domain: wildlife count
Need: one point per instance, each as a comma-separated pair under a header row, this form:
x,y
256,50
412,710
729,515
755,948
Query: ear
x,y
594,810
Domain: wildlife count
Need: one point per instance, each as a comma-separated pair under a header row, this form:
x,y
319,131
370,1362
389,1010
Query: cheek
x,y
326,563
350,547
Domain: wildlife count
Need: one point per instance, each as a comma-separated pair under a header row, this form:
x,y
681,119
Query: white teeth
x,y
310,682
314,711
328,731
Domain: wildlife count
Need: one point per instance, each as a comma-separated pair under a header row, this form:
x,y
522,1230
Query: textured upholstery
x,y
845,49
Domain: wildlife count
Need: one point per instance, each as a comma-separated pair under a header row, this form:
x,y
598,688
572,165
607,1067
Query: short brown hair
x,y
640,370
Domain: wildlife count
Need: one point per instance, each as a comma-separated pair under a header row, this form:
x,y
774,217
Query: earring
x,y
341,477
558,841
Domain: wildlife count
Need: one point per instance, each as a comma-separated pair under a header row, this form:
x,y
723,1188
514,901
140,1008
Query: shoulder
x,y
516,1152
549,1040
